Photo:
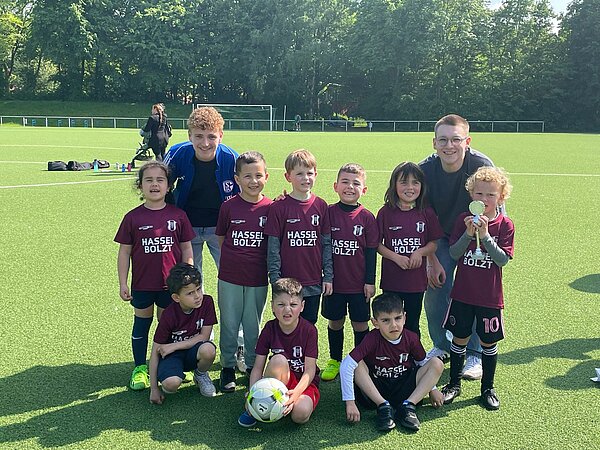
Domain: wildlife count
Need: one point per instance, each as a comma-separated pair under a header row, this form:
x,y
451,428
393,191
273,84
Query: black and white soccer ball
x,y
266,399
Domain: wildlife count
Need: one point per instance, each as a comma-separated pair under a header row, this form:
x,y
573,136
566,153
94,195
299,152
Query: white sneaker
x,y
436,352
472,369
205,384
239,360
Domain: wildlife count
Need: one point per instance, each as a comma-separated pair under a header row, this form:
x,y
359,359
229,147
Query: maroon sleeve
x,y
312,346
365,347
263,346
210,316
162,335
326,228
273,227
506,236
124,235
372,229
380,223
417,351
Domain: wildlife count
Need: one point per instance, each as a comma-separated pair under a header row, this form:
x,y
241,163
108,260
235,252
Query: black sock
x,y
336,343
139,339
359,336
385,403
457,361
489,358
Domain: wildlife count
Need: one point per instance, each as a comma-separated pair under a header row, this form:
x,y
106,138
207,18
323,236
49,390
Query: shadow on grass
x,y
589,283
578,377
68,406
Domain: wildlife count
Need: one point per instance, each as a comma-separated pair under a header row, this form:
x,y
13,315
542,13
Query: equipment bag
x,y
77,166
56,165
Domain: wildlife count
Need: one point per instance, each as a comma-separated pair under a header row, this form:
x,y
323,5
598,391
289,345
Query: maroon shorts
x,y
311,391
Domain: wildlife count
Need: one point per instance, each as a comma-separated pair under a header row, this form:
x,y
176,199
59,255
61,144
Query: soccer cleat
x,y
246,420
140,379
331,371
407,417
205,384
490,400
239,360
385,421
472,369
189,377
227,379
436,352
450,392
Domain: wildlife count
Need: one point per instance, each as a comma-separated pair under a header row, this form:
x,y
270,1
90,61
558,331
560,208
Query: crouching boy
x,y
182,339
386,368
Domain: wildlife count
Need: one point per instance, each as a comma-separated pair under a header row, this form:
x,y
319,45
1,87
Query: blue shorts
x,y
144,299
334,307
175,364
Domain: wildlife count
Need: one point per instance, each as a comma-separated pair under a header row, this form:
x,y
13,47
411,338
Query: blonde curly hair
x,y
491,175
206,118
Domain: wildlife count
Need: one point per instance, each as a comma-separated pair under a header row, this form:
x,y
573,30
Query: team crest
x,y
171,225
199,323
420,227
228,186
358,230
315,220
297,351
262,220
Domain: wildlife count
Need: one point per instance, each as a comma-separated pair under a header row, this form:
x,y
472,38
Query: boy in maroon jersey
x,y
354,240
182,338
299,244
242,280
386,368
477,292
292,342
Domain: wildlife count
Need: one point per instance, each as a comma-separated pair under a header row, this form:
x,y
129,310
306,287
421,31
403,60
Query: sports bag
x,y
56,165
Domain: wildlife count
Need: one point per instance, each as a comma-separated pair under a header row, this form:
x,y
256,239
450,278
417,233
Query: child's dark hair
x,y
289,286
250,157
402,172
181,275
152,165
387,303
353,168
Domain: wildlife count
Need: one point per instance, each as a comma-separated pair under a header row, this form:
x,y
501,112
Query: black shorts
x,y
144,299
489,321
176,363
336,306
394,390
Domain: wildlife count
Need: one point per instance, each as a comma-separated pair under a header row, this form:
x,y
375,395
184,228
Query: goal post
x,y
244,117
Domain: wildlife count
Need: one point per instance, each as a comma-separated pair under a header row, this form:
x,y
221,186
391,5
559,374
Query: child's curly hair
x,y
491,174
206,118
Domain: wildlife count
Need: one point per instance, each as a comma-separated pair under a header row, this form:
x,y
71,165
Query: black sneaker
x,y
450,392
385,421
490,400
227,379
407,417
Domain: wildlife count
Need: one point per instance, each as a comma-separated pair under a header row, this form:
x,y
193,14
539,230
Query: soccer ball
x,y
266,399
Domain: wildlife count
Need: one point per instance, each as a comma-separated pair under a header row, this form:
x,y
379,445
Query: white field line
x,y
66,183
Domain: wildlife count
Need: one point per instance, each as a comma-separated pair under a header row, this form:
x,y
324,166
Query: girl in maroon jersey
x,y
153,238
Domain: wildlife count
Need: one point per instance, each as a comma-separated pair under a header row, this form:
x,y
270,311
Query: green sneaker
x,y
140,379
331,370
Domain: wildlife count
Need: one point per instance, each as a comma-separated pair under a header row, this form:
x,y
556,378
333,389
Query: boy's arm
x,y
123,260
499,256
257,369
416,258
400,260
310,369
187,254
459,248
156,396
274,258
327,258
347,369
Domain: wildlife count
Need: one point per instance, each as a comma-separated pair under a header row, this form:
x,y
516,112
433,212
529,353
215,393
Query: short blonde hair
x,y
206,118
491,175
300,157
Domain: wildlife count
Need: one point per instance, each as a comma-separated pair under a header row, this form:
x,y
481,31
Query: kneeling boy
x,y
292,341
385,368
182,339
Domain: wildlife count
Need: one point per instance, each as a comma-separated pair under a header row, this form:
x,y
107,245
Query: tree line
x,y
381,59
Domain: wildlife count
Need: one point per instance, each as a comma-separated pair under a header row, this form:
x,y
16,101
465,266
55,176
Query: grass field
x,y
65,333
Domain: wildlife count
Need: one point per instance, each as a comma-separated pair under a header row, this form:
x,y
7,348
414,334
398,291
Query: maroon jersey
x,y
155,237
351,233
296,346
386,359
403,232
479,281
299,226
244,251
177,326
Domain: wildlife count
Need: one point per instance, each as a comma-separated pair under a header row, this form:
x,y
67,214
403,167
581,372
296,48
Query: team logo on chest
x,y
314,220
297,351
420,227
228,186
171,225
358,230
262,220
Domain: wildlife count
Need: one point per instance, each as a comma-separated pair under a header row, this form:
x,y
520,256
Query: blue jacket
x,y
180,159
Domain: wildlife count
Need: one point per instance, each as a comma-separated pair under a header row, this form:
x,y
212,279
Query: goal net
x,y
244,117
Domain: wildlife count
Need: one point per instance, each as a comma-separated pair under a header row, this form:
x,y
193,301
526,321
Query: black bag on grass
x,y
103,164
77,166
56,165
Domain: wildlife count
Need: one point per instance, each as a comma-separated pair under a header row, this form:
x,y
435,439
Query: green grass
x,y
65,332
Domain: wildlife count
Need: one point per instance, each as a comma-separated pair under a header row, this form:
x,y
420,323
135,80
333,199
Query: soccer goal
x,y
244,117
